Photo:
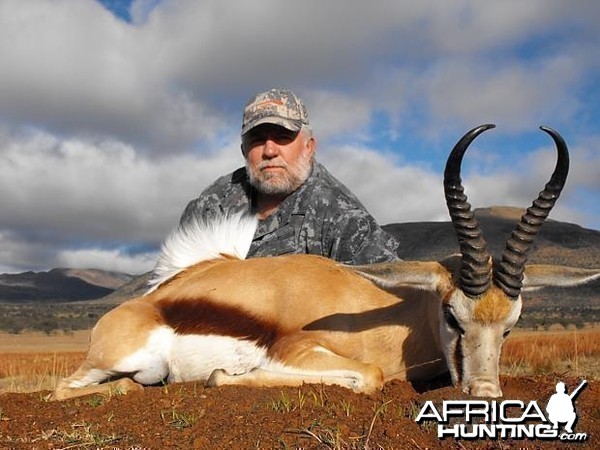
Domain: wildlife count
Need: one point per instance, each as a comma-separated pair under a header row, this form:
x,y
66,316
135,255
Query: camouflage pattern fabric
x,y
277,106
322,217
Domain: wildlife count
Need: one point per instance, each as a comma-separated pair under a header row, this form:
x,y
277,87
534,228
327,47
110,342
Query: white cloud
x,y
99,190
107,128
72,66
391,192
110,260
22,253
335,113
518,95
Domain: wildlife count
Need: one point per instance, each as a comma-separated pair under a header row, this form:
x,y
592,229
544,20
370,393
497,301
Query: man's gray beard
x,y
276,183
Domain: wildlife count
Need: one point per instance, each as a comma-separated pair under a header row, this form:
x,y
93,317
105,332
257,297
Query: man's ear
x,y
242,149
311,145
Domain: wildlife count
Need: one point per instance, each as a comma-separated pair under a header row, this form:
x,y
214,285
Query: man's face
x,y
278,160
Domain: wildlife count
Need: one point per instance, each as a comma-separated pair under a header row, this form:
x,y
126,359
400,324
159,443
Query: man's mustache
x,y
272,165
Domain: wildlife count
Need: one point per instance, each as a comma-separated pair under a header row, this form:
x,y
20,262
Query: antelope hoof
x,y
126,385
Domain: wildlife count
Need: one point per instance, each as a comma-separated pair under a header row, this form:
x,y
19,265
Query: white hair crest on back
x,y
202,240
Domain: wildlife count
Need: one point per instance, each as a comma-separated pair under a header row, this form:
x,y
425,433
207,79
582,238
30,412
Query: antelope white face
x,y
472,333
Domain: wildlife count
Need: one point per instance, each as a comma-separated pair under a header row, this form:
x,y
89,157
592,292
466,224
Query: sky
x,y
115,114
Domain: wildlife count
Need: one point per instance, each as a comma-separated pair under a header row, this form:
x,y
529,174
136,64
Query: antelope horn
x,y
508,273
476,269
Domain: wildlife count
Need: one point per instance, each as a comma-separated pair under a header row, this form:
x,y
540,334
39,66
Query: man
x,y
301,207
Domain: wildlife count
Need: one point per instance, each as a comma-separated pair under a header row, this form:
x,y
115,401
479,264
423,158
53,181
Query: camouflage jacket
x,y
322,217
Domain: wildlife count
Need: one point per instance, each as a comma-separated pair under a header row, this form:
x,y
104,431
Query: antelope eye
x,y
452,322
505,334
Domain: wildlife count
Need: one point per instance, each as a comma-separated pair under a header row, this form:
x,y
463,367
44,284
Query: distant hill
x,y
134,287
557,242
59,285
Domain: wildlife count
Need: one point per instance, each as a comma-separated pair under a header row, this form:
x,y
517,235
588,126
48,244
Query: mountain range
x,y
60,285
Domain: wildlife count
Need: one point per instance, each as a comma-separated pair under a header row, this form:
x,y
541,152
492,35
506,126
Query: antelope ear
x,y
417,274
538,276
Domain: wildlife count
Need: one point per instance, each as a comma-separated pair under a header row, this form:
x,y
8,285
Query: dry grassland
x,y
573,353
32,362
76,341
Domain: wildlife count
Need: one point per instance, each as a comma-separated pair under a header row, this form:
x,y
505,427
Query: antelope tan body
x,y
320,322
297,319
308,313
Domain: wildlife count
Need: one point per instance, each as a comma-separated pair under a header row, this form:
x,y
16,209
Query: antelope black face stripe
x,y
451,320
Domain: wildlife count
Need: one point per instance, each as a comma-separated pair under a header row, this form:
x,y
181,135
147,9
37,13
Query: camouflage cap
x,y
277,106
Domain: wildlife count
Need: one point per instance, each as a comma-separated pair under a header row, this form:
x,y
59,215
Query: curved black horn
x,y
508,274
476,270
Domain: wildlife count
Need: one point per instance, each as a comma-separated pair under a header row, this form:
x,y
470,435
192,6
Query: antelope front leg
x,y
121,386
316,365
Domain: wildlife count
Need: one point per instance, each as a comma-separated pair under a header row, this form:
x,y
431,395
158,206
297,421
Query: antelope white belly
x,y
194,357
149,364
167,355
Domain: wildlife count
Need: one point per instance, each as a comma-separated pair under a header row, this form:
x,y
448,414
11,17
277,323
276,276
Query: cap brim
x,y
292,125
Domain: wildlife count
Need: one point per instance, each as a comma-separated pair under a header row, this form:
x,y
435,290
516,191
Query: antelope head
x,y
484,302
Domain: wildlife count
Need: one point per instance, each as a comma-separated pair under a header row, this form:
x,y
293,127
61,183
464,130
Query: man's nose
x,y
271,148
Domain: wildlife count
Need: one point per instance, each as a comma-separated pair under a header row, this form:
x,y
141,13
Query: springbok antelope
x,y
289,320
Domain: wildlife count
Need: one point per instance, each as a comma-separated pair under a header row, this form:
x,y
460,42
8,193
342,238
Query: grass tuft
x,y
178,420
81,435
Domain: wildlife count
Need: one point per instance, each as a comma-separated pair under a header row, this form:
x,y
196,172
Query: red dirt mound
x,y
189,415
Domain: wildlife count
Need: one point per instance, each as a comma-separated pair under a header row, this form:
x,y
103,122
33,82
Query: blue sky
x,y
115,114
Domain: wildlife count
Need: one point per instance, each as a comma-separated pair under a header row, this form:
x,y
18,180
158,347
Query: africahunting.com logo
x,y
507,419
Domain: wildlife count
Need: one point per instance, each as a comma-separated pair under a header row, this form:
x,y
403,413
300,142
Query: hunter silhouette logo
x,y
560,406
507,419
